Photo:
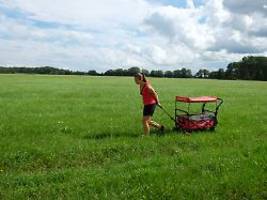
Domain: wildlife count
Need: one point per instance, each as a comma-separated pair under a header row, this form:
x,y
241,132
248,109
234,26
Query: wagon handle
x,y
160,106
219,105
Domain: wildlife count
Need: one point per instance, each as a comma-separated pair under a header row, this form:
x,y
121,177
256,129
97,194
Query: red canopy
x,y
204,99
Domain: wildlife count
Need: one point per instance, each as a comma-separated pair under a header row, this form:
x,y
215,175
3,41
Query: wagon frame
x,y
206,119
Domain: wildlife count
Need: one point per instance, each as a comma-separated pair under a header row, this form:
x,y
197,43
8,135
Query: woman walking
x,y
150,101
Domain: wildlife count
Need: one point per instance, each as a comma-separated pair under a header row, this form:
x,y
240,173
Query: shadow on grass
x,y
100,136
154,132
106,135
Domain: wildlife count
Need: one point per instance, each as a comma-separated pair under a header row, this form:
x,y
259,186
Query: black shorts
x,y
149,110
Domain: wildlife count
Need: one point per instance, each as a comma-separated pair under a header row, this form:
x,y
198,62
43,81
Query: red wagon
x,y
204,119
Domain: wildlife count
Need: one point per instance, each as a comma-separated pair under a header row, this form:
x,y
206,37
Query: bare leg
x,y
146,122
154,124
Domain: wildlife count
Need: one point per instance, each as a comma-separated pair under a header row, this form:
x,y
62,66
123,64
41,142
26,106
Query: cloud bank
x,y
86,34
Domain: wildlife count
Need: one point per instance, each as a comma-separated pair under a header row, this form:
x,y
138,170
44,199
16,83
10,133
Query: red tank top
x,y
147,97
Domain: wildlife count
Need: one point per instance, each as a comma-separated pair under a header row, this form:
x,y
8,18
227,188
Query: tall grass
x,y
76,137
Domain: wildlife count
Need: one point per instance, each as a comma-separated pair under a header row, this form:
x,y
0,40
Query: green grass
x,y
72,137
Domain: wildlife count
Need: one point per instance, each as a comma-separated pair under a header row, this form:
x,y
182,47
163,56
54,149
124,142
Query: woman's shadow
x,y
108,135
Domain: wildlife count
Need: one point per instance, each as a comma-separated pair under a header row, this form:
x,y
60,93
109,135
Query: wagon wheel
x,y
212,129
176,129
187,132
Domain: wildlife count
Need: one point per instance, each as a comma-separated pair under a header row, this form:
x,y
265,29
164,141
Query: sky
x,y
153,34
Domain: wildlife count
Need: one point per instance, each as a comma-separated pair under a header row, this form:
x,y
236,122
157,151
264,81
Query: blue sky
x,y
154,34
177,3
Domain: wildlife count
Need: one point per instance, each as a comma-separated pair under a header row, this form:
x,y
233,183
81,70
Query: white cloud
x,y
102,34
221,29
181,26
83,12
246,6
190,4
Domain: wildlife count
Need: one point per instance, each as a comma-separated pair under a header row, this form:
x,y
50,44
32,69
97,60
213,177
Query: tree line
x,y
183,73
249,68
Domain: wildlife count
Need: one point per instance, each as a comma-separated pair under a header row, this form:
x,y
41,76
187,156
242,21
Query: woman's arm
x,y
154,94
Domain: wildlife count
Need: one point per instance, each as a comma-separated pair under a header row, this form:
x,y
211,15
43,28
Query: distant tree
x,y
232,71
186,73
177,73
109,73
249,68
168,74
189,73
220,74
35,70
133,70
202,73
78,73
153,73
145,72
156,73
92,73
119,72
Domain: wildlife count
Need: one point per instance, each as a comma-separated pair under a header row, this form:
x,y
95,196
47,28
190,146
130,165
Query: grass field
x,y
73,137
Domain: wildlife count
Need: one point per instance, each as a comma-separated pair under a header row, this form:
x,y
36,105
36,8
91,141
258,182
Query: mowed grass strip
x,y
80,137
